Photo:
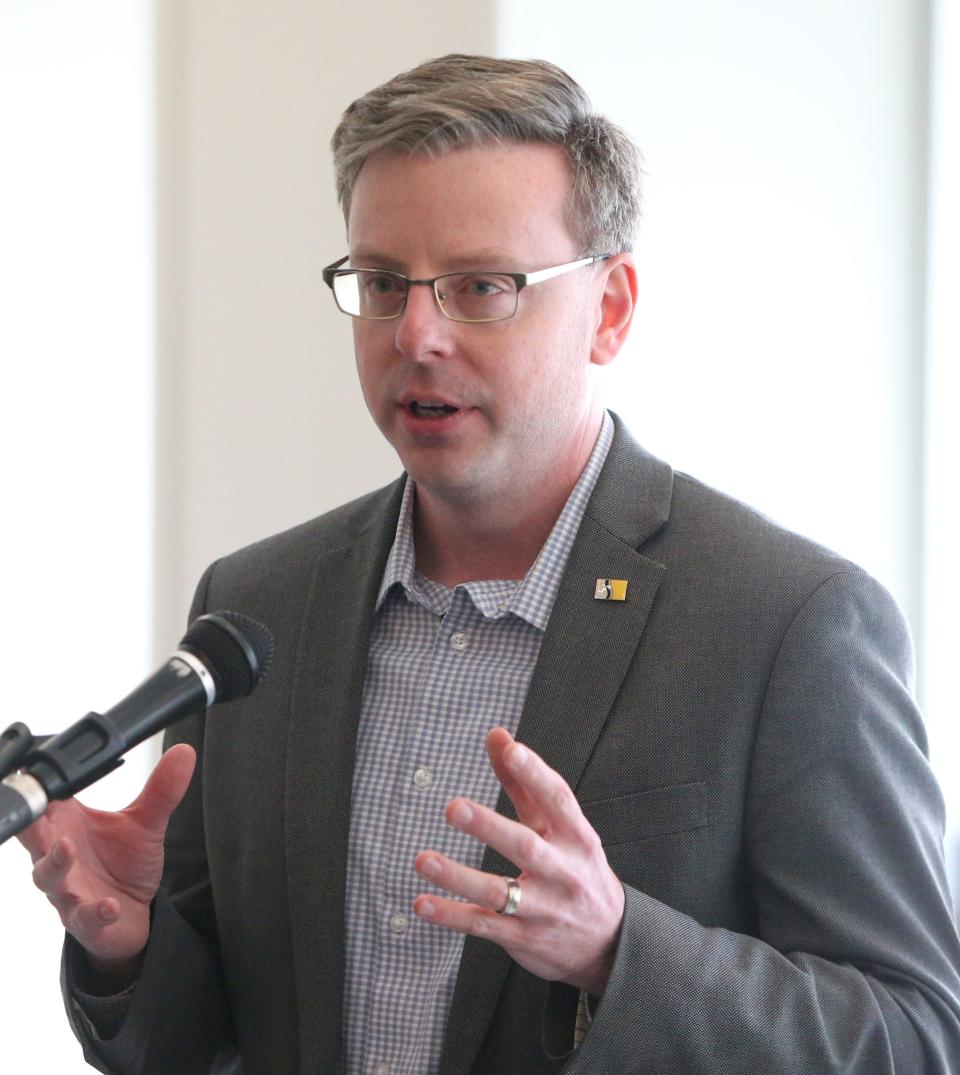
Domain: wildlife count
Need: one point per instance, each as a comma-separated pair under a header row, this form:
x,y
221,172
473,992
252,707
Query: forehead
x,y
447,209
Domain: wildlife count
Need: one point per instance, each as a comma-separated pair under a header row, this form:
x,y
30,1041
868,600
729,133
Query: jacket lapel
x,y
324,715
586,652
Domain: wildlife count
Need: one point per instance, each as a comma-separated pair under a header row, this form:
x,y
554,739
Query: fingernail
x,y
59,858
519,757
426,909
462,814
430,867
106,915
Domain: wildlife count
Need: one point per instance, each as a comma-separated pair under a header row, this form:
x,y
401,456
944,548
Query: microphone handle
x,y
20,797
94,746
83,753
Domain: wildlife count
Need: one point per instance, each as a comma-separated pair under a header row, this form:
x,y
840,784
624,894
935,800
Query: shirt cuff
x,y
585,1006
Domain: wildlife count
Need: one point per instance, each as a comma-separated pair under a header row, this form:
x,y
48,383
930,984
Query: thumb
x,y
165,787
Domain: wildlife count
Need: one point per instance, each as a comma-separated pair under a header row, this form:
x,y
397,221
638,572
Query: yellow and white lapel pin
x,y
611,590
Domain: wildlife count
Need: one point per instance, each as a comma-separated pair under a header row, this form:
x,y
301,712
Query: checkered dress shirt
x,y
445,666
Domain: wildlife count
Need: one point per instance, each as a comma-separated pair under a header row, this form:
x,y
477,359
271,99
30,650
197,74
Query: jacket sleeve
x,y
854,967
177,1019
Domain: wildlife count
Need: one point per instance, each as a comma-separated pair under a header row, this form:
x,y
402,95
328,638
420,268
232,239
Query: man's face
x,y
522,388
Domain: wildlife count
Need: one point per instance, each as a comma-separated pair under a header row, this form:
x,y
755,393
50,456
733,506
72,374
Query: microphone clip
x,y
63,771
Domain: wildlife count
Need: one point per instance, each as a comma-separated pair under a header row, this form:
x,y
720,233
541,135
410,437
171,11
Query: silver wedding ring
x,y
513,897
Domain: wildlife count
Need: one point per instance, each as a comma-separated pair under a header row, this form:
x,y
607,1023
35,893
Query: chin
x,y
454,484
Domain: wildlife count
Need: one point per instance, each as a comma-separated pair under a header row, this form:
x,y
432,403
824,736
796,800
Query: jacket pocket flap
x,y
641,815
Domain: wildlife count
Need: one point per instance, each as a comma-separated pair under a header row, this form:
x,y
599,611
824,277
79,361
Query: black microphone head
x,y
236,650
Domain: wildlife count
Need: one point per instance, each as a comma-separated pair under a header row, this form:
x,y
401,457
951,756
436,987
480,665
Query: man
x,y
707,839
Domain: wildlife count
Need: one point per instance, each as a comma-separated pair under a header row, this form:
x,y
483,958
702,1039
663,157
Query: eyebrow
x,y
369,258
365,257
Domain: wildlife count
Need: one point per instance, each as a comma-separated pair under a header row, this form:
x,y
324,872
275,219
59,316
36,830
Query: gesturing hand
x,y
101,870
568,921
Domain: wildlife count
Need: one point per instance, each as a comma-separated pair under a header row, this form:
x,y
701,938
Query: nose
x,y
422,330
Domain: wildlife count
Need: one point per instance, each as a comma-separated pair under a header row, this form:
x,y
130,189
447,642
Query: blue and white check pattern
x,y
445,666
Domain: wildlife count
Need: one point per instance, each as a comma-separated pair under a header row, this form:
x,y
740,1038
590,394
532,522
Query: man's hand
x,y
571,907
101,870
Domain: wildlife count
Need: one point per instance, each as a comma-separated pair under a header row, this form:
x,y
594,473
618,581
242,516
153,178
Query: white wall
x,y
778,352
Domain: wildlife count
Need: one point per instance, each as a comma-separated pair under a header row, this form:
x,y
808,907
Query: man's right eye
x,y
381,283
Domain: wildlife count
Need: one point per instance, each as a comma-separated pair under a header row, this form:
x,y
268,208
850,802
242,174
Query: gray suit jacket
x,y
741,734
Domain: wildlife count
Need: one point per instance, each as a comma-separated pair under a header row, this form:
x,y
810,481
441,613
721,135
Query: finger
x,y
546,791
527,850
50,871
87,919
499,740
165,787
484,889
469,918
82,917
38,838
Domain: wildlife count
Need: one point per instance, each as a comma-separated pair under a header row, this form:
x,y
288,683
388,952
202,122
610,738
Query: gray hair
x,y
458,101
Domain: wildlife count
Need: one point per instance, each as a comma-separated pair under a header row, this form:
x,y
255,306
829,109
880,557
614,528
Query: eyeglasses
x,y
380,295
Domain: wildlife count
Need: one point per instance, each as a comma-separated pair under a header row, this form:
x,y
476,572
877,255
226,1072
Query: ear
x,y
618,300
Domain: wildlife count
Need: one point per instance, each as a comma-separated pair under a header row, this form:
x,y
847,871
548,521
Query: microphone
x,y
223,656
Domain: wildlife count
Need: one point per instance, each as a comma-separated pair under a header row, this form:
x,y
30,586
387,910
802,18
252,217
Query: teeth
x,y
430,409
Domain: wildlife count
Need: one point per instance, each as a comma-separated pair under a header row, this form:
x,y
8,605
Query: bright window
x,y
942,576
76,422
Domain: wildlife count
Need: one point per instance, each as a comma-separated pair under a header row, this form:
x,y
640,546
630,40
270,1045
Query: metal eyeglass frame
x,y
520,279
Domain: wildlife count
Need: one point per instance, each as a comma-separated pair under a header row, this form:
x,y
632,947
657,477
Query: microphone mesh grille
x,y
258,638
236,663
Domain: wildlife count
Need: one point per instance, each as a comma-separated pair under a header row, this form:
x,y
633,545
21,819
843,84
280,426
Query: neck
x,y
498,537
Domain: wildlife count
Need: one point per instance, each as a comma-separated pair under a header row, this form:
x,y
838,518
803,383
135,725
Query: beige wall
x,y
260,423
779,347
781,256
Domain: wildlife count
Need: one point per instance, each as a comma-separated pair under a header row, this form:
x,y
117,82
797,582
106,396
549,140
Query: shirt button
x,y
458,641
382,1068
422,778
399,923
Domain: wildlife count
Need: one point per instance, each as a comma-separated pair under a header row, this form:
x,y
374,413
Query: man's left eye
x,y
481,286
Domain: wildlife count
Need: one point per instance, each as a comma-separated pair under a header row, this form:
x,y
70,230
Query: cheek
x,y
557,358
363,343
371,380
370,356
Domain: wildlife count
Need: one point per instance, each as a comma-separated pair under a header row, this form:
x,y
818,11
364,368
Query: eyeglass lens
x,y
468,296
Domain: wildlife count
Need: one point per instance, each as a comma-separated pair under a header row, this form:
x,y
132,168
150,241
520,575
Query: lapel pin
x,y
611,590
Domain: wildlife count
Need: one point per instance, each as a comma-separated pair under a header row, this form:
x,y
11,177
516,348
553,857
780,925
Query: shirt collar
x,y
400,563
531,598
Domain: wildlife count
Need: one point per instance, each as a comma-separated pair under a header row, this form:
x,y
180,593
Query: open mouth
x,y
428,409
